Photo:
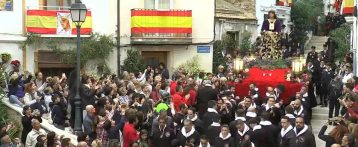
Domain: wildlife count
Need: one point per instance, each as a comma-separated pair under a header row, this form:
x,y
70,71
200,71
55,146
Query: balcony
x,y
161,27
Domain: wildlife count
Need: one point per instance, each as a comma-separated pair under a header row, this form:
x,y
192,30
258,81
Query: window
x,y
57,4
158,4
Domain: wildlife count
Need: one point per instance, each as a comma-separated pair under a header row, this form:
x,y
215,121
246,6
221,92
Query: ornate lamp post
x,y
78,14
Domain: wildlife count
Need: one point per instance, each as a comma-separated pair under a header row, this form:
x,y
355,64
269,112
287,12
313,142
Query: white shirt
x,y
32,136
346,77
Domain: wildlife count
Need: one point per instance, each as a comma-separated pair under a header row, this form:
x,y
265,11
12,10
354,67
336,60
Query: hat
x,y
15,62
161,106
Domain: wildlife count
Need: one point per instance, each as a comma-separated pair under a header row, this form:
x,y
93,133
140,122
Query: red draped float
x,y
264,78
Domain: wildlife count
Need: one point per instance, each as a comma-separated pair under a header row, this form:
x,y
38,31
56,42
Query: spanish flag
x,y
55,22
154,21
348,7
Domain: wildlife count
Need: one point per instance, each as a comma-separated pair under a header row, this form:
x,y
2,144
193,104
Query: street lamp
x,y
78,15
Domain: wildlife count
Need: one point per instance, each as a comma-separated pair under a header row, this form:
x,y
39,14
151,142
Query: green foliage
x,y
4,116
341,36
134,62
191,66
268,64
303,14
229,44
96,47
218,58
246,44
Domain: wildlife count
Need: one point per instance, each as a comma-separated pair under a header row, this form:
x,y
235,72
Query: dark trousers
x,y
333,105
324,96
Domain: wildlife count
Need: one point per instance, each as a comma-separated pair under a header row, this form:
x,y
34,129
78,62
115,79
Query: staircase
x,y
318,42
319,118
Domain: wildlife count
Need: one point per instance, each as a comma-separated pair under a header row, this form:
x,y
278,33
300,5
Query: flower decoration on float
x,y
5,57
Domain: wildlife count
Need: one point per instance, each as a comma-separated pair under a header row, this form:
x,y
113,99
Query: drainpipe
x,y
118,38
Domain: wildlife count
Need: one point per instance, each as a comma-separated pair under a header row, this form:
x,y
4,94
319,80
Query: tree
x,y
341,36
218,55
303,15
246,45
134,62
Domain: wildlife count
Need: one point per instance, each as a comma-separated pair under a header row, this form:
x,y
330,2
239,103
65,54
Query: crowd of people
x,y
148,109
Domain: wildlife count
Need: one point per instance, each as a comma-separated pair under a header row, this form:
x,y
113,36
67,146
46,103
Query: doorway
x,y
153,58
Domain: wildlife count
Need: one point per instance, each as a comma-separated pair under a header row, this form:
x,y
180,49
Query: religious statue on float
x,y
270,31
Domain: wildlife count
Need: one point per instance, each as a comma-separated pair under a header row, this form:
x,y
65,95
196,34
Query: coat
x,y
220,141
129,134
192,137
328,139
205,94
162,138
285,136
304,138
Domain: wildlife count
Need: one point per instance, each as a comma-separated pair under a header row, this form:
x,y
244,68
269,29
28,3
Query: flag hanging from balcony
x,y
154,21
55,22
284,3
348,7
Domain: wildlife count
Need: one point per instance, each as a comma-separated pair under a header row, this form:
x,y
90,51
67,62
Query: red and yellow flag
x,y
154,21
55,22
348,7
284,3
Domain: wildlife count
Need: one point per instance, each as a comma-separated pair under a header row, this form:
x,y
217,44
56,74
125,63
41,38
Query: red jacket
x,y
192,99
353,111
129,134
173,87
177,100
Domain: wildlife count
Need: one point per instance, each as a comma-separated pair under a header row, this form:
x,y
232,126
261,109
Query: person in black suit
x,y
285,52
273,130
192,115
188,134
26,123
242,132
213,130
312,55
326,78
211,114
205,94
286,133
239,116
224,139
163,135
259,136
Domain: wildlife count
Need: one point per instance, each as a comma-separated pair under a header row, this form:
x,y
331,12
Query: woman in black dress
x,y
26,123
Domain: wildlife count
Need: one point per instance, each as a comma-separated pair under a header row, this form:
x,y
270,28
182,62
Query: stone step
x,y
318,116
320,110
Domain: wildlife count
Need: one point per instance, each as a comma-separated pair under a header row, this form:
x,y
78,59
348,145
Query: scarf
x,y
215,124
185,134
194,118
290,116
251,114
212,110
265,123
224,138
257,127
240,118
284,132
246,128
298,113
300,131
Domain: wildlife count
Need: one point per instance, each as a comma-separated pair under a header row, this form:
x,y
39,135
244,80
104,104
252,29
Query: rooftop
x,y
236,9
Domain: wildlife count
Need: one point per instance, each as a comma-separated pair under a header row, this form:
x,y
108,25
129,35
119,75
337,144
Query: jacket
x,y
192,137
304,138
162,138
328,139
205,94
221,141
177,100
17,86
285,136
129,134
